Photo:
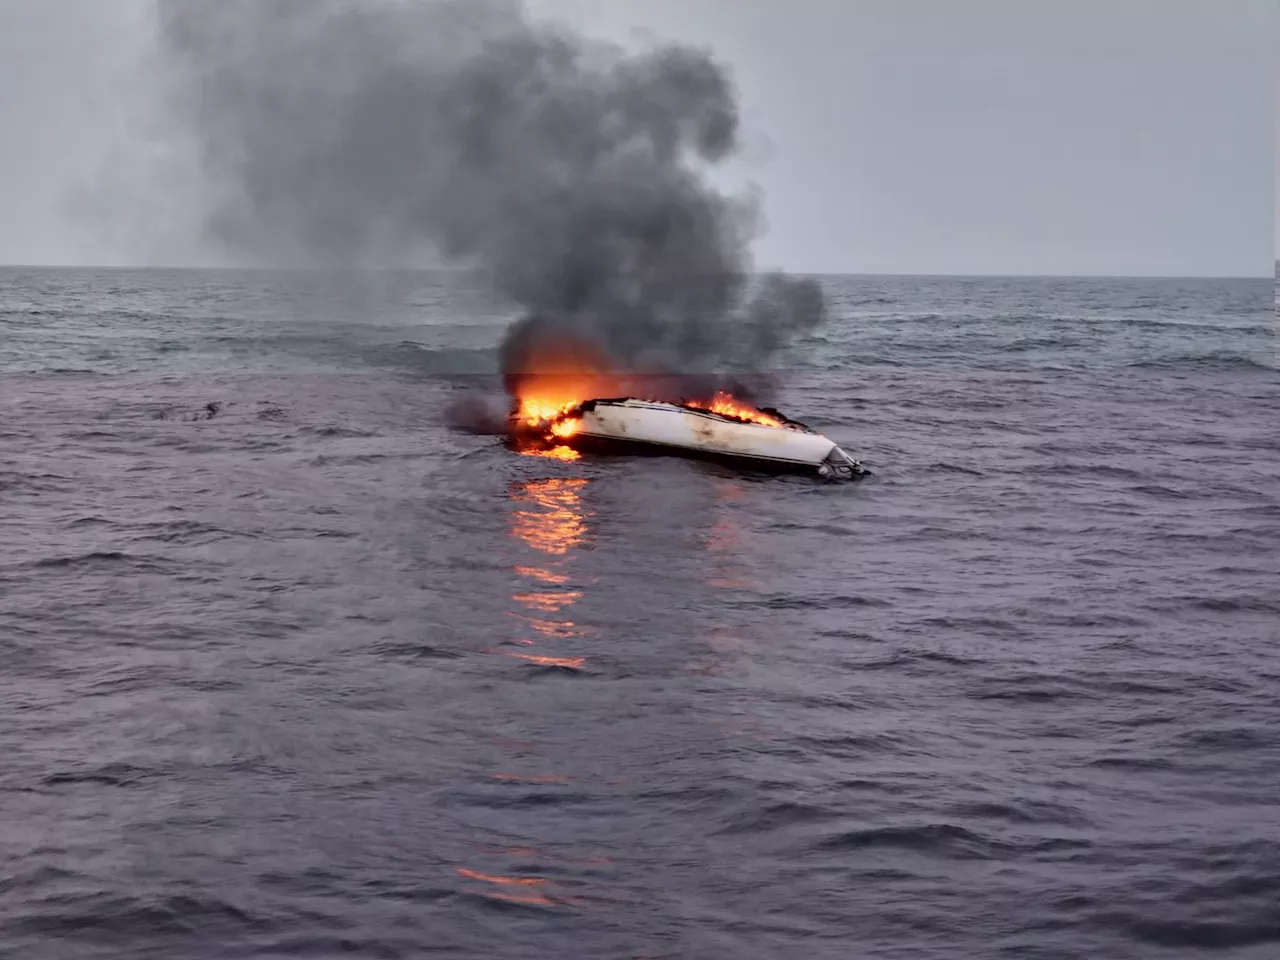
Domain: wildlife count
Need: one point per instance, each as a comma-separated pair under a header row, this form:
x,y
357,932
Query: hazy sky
x,y
938,136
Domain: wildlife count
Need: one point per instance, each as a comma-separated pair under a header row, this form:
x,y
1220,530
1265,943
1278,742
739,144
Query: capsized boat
x,y
768,441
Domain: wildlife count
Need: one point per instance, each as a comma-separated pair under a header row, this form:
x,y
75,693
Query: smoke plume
x,y
570,172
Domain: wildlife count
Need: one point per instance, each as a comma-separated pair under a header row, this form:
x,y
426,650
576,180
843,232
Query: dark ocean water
x,y
292,670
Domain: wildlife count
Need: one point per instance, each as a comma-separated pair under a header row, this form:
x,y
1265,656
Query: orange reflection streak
x,y
553,521
730,491
724,537
559,524
533,890
729,541
520,883
568,663
542,576
726,540
560,629
501,881
548,602
555,534
560,452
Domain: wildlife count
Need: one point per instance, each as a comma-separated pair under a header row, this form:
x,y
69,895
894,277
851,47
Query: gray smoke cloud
x,y
570,172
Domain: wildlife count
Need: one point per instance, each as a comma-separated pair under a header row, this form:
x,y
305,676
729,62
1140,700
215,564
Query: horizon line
x,y
799,273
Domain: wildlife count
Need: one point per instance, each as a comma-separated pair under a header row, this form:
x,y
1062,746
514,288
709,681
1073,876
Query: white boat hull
x,y
666,427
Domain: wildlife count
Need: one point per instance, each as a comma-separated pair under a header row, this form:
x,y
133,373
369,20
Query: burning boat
x,y
722,429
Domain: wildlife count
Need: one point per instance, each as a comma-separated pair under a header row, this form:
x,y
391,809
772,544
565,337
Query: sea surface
x,y
291,669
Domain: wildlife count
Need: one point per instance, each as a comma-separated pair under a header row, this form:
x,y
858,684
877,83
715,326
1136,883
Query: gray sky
x,y
937,136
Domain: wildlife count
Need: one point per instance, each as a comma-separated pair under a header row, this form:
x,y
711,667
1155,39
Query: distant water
x,y
291,670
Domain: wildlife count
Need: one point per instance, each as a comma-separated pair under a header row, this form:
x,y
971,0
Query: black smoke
x,y
571,173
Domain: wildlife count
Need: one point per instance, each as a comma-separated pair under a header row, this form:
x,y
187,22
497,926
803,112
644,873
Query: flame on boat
x,y
550,381
541,416
729,406
548,415
568,396
550,378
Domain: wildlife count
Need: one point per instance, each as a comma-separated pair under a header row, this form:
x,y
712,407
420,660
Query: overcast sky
x,y
901,136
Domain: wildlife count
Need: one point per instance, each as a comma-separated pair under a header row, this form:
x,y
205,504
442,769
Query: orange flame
x,y
555,418
554,378
548,420
539,411
564,428
726,405
549,377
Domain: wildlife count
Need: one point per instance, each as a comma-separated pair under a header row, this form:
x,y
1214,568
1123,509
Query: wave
x,y
1024,811
110,775
774,817
98,558
86,558
14,483
1219,360
97,916
941,838
1183,933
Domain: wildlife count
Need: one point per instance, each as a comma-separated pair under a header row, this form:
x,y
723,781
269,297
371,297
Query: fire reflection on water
x,y
547,602
530,891
559,452
542,576
551,520
511,889
564,663
548,526
728,541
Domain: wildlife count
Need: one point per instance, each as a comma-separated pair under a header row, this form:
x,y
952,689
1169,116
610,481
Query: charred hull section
x,y
632,426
